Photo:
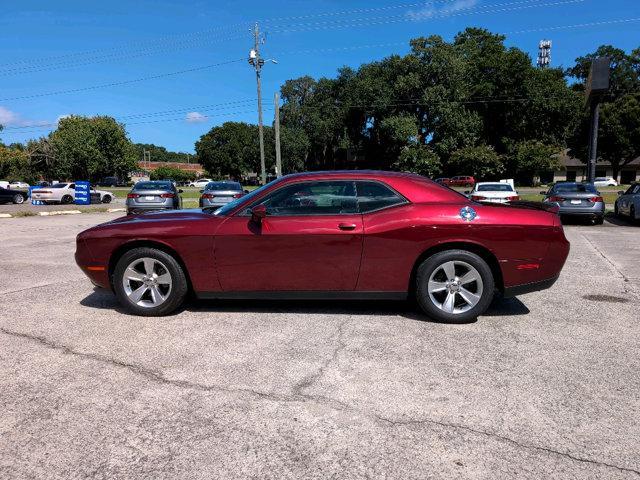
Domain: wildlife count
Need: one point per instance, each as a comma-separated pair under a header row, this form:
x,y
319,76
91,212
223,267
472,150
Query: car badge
x,y
468,213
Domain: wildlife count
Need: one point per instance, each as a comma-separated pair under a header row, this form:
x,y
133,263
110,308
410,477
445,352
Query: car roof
x,y
414,187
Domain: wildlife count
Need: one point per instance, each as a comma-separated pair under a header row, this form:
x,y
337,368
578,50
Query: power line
x,y
123,82
108,58
336,24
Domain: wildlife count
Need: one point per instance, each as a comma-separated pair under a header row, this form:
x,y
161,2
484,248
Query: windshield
x,y
223,186
229,207
152,186
574,188
495,187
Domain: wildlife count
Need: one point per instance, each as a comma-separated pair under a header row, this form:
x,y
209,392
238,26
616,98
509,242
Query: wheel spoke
x,y
449,302
164,279
470,276
148,265
156,296
137,294
131,274
450,270
437,286
469,297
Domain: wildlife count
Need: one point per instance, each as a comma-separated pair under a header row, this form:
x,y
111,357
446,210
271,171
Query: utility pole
x,y
596,87
276,126
257,62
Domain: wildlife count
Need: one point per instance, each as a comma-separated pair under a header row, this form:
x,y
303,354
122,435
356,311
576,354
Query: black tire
x,y
106,199
66,199
432,264
18,199
598,220
632,214
175,296
615,209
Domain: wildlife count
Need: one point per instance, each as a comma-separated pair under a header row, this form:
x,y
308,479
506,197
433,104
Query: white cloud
x,y
62,117
195,117
7,117
430,9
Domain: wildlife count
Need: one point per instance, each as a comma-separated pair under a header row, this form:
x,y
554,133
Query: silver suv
x,y
628,203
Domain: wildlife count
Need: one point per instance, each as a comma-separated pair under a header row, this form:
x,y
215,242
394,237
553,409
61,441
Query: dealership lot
x,y
545,385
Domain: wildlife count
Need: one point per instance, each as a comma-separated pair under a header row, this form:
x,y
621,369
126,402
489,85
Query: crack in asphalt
x,y
629,288
299,396
7,292
313,378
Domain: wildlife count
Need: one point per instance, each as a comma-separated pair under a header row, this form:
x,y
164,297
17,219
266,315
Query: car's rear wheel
x,y
454,286
106,199
66,199
18,199
149,282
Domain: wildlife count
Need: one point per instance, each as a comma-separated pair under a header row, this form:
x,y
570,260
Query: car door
x,y
310,240
5,195
626,200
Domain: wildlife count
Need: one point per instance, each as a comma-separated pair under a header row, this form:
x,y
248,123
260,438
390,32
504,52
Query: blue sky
x,y
81,46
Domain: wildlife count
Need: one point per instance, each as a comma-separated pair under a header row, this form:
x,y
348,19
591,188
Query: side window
x,y
72,186
374,196
312,198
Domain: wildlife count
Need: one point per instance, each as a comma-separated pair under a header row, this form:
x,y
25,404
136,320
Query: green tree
x,y
161,154
233,148
15,165
532,157
91,148
418,159
172,173
482,162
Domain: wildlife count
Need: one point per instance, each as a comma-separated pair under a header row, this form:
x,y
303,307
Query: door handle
x,y
347,226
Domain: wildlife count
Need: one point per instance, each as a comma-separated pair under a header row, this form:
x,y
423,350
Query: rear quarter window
x,y
376,196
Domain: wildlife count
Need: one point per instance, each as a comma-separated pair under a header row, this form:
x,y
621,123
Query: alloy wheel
x,y
455,287
147,282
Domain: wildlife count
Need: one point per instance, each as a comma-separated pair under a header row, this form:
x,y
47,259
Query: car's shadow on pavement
x,y
617,220
104,299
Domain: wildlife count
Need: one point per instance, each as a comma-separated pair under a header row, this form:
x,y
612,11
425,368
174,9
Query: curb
x,y
6,215
59,212
113,210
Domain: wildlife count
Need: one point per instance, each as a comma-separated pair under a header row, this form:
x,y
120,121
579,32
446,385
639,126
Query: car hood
x,y
165,215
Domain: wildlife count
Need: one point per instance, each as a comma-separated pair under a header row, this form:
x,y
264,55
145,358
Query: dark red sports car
x,y
331,235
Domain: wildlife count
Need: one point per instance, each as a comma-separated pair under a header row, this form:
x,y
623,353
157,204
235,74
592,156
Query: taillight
x,y
167,195
477,198
207,195
595,199
513,199
238,195
556,199
133,195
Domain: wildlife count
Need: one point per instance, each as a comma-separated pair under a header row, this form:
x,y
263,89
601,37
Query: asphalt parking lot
x,y
544,386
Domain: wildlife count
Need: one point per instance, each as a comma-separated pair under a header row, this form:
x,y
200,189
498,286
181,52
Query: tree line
x,y
469,106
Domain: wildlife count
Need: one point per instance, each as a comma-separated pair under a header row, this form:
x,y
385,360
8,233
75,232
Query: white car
x,y
493,192
201,183
4,184
66,193
19,186
605,182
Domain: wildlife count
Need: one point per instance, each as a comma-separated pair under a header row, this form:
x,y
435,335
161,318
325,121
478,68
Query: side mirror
x,y
258,213
543,193
180,190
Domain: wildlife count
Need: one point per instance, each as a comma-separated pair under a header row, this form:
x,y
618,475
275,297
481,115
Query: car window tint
x,y
312,198
495,187
72,186
635,189
223,186
574,188
152,186
374,196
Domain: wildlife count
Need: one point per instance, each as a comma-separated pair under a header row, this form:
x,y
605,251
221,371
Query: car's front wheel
x,y
454,286
18,199
149,282
66,199
106,199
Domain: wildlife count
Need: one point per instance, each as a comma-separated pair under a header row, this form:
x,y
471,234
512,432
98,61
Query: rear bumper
x,y
149,208
583,211
529,287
